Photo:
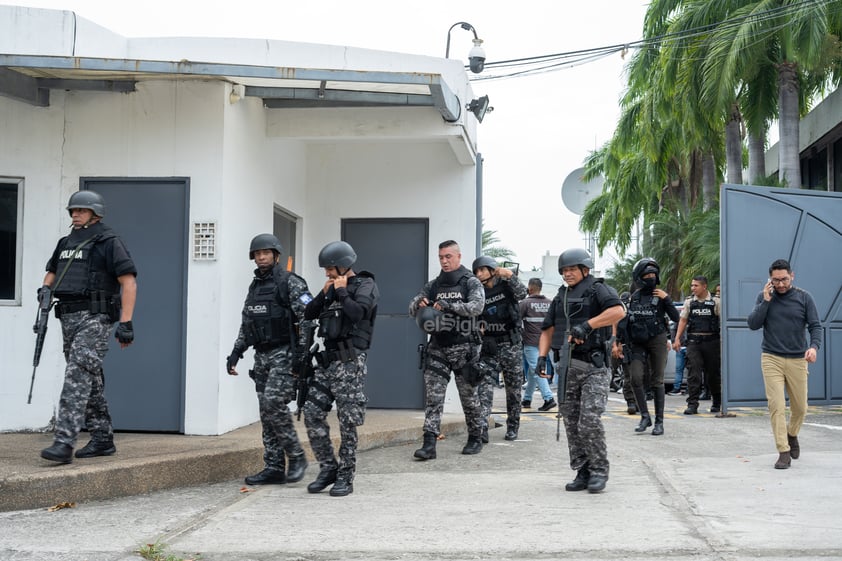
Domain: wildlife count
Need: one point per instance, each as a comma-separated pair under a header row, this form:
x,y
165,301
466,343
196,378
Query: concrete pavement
x,y
706,490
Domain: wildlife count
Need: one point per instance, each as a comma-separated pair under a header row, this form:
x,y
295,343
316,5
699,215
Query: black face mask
x,y
649,284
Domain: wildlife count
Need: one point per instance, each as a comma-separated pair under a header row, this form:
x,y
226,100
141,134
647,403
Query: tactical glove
x,y
43,292
581,331
232,359
541,366
125,333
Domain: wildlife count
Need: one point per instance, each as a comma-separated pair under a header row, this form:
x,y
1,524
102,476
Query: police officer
x,y
620,373
589,309
502,344
271,318
346,308
93,276
647,333
448,308
700,317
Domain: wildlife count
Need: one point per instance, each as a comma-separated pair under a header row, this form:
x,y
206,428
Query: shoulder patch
x,y
305,298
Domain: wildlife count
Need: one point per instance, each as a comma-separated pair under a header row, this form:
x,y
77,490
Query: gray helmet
x,y
337,254
644,267
484,261
265,241
428,319
573,257
87,199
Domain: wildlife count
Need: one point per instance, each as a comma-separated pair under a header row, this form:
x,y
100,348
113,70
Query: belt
x,y
73,306
702,338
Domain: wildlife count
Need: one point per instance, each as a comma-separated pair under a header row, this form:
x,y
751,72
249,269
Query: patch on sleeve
x,y
305,298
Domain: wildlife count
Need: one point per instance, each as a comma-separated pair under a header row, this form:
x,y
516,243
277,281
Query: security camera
x,y
477,57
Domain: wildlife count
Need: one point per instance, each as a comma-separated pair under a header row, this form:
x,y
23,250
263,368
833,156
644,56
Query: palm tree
x,y
500,253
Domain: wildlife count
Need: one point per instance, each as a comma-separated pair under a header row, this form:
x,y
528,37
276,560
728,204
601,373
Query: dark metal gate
x,y
759,225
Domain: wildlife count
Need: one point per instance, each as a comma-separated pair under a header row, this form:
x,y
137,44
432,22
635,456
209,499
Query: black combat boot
x,y
58,452
269,476
581,481
596,484
96,448
342,487
474,445
326,477
428,451
484,436
645,419
658,430
296,467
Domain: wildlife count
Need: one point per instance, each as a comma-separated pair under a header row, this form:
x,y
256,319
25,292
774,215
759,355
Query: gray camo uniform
x,y
273,382
340,377
86,334
452,352
588,375
502,349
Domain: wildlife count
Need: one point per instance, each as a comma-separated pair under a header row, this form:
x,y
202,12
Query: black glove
x,y
43,292
541,366
581,331
299,359
125,333
232,359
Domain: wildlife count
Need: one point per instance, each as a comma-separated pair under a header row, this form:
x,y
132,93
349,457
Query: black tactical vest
x,y
452,287
702,318
644,319
267,316
85,275
334,324
582,305
500,314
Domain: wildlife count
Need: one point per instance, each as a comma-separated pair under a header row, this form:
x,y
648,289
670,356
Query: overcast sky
x,y
542,127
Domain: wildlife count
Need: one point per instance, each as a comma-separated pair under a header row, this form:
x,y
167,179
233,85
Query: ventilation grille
x,y
204,241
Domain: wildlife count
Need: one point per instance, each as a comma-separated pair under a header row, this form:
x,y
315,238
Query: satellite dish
x,y
576,193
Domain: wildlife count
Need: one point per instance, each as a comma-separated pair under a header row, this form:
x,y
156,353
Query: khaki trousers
x,y
781,373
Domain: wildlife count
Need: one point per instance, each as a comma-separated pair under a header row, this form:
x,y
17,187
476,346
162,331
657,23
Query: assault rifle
x,y
307,369
45,304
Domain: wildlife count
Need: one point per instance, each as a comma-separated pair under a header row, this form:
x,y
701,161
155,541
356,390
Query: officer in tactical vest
x,y
584,312
271,318
502,344
700,317
447,308
346,308
93,276
647,333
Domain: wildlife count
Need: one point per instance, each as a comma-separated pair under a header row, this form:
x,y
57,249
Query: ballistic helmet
x,y
428,319
484,261
265,241
573,257
337,254
87,199
644,267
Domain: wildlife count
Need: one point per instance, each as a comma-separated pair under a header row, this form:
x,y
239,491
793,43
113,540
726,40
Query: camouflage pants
x,y
342,382
82,400
509,360
585,400
440,361
275,387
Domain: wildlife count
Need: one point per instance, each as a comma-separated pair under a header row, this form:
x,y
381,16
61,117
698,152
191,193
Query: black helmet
x,y
87,199
484,261
265,241
337,254
644,267
573,257
428,319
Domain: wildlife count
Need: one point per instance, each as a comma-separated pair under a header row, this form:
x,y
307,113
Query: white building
x,y
197,145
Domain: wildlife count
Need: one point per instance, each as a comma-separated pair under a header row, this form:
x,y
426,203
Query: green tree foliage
x,y
498,252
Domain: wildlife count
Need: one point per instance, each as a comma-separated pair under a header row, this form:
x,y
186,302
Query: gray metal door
x,y
144,383
395,251
759,225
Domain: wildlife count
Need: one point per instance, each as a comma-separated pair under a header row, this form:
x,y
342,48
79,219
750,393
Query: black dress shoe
x,y
326,477
658,429
548,404
511,434
58,452
341,488
596,484
96,448
268,476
